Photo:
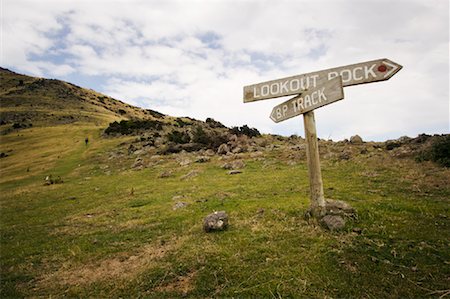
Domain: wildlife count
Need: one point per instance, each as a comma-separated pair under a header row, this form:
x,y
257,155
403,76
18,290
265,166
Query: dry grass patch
x,y
182,284
124,265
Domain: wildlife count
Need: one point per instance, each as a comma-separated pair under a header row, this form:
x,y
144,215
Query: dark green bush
x,y
199,136
439,152
213,123
128,127
178,137
210,139
245,130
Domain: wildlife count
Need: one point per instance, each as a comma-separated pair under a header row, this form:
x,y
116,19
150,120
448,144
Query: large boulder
x,y
223,149
356,139
216,221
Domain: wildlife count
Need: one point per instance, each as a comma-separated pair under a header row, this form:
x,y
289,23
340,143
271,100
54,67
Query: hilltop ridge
x,y
37,101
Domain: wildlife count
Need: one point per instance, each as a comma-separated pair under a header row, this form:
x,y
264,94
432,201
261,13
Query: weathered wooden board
x,y
331,91
360,73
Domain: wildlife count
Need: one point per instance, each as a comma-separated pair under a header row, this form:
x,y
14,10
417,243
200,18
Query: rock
x,y
356,140
333,222
139,152
138,164
234,172
344,155
257,154
238,164
165,174
180,205
209,153
183,160
49,180
223,149
190,174
131,149
339,208
237,150
227,166
202,159
216,221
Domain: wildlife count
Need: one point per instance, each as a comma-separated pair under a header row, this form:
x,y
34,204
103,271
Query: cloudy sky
x,y
192,58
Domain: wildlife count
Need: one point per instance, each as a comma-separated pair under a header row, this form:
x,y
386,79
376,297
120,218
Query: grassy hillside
x,y
111,227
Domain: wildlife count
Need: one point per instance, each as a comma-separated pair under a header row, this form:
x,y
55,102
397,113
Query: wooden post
x,y
315,175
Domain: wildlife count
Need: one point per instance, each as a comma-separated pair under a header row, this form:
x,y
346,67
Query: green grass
x,y
90,237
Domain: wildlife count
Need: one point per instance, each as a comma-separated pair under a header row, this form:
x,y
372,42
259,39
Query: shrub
x,y
210,139
245,130
199,136
390,145
127,127
439,152
178,137
213,123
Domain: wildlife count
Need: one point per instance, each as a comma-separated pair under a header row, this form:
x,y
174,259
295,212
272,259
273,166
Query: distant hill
x,y
31,101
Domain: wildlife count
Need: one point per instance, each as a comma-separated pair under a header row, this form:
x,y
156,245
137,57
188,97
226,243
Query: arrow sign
x,y
311,99
360,73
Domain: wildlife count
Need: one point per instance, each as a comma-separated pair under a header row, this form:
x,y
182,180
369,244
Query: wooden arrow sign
x,y
311,99
360,73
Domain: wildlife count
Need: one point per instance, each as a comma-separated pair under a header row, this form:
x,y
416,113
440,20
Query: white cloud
x,y
193,57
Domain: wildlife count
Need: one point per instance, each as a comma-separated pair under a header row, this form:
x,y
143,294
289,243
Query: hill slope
x,y
42,102
121,216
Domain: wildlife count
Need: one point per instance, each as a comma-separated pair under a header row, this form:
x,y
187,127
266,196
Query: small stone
x,y
165,174
237,164
338,207
333,222
184,161
237,150
216,221
209,152
234,172
190,174
202,159
180,205
227,166
344,155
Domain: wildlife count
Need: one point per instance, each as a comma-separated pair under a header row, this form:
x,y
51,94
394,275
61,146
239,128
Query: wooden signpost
x,y
331,91
315,90
360,73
